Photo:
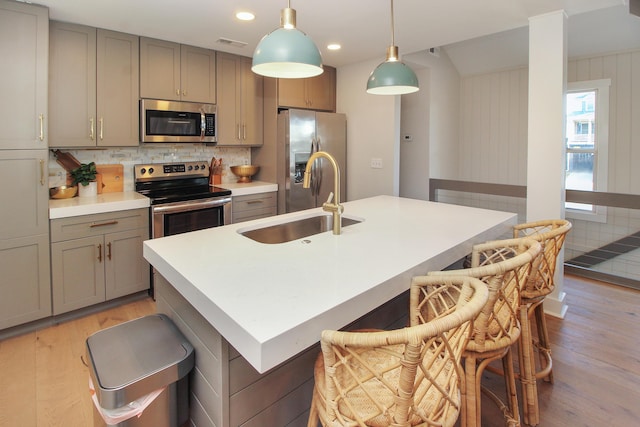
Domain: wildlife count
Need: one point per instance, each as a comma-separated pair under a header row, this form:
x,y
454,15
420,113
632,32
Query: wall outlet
x,y
376,163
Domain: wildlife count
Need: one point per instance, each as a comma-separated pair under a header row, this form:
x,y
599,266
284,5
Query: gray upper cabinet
x,y
314,93
240,102
177,72
24,48
94,86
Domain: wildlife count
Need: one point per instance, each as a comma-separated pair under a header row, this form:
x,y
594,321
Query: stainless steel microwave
x,y
177,121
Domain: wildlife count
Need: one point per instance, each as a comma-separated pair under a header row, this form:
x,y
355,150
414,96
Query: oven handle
x,y
191,205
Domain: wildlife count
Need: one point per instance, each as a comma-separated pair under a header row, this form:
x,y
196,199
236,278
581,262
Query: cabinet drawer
x,y
98,224
254,206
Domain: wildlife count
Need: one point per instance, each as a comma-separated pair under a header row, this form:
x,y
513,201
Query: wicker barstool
x,y
551,234
405,377
504,265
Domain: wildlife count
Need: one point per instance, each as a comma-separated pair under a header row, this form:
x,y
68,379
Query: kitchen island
x,y
254,311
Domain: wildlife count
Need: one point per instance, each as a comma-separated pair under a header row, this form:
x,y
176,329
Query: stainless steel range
x,y
181,198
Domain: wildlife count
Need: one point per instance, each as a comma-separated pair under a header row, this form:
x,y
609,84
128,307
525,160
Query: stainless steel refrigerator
x,y
300,134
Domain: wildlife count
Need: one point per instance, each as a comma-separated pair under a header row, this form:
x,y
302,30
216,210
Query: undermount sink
x,y
293,230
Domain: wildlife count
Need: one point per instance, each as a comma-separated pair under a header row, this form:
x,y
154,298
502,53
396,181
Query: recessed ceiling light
x,y
245,16
334,46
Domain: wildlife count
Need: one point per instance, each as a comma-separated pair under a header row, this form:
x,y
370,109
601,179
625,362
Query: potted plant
x,y
85,174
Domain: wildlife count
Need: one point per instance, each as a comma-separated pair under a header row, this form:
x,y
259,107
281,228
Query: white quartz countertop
x,y
271,301
105,202
253,187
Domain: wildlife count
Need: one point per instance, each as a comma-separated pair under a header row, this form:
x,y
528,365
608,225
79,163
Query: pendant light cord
x,y
393,40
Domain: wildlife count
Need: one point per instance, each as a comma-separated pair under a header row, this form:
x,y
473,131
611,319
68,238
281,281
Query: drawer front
x,y
98,224
254,206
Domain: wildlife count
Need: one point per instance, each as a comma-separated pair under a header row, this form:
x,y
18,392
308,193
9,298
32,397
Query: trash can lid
x,y
132,351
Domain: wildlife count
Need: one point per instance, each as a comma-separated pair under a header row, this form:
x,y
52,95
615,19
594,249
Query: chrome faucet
x,y
335,208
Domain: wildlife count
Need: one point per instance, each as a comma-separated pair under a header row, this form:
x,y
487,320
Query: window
x,y
587,133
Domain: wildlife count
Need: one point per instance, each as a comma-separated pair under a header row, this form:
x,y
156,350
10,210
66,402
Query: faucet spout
x,y
334,207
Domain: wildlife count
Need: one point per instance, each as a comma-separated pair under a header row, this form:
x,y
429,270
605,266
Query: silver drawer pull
x,y
102,224
253,202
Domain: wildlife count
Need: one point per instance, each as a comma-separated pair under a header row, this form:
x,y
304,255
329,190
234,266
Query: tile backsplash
x,y
151,153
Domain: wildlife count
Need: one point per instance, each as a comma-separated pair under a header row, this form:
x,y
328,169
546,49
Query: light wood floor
x,y
43,381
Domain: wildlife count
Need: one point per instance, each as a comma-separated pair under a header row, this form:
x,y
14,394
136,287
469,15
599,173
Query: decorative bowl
x,y
245,172
63,192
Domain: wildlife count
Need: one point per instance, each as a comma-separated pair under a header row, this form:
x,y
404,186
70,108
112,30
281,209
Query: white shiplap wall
x,y
493,144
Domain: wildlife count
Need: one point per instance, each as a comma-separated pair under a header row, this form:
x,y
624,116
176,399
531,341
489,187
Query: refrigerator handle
x,y
314,187
318,169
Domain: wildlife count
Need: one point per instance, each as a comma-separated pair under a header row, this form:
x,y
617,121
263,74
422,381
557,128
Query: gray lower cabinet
x,y
254,206
96,258
25,288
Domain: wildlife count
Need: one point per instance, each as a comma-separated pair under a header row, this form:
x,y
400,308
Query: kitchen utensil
x,y
245,172
66,160
63,192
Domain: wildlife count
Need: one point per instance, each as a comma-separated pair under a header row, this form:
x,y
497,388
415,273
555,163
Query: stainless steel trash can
x,y
130,360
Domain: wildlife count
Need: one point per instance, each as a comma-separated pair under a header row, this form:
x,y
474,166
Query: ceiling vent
x,y
229,42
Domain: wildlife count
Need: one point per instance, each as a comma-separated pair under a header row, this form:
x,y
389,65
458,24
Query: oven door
x,y
181,217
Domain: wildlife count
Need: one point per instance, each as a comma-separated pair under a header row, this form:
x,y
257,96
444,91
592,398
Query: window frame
x,y
601,149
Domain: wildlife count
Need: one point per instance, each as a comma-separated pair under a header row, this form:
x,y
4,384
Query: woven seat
x,y
405,377
551,234
504,266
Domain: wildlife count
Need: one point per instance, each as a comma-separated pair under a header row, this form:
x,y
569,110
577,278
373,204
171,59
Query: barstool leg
x,y
544,345
527,370
472,398
510,385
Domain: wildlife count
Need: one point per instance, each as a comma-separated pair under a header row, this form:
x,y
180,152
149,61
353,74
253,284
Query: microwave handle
x,y
203,125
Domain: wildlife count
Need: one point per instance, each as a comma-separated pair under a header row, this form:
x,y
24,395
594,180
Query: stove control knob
x,y
190,168
203,167
142,171
150,171
197,167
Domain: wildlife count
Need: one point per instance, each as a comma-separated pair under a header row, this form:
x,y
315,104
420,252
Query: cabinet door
x,y
198,74
126,270
321,90
24,210
159,69
252,104
24,48
25,291
117,90
291,93
77,273
228,74
72,80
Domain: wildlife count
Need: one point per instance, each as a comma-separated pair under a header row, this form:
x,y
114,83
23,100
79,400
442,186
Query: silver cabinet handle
x,y
41,118
101,128
100,252
255,202
91,133
244,131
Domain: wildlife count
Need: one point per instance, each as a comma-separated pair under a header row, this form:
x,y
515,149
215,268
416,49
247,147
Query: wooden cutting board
x,y
110,178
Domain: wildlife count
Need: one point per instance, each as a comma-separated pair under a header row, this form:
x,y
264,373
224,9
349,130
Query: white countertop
x,y
253,187
105,202
272,301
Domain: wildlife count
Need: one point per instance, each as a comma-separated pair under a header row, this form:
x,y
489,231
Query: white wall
x,y
373,129
414,153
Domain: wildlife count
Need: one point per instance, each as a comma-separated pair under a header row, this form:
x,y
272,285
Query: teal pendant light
x,y
286,52
392,77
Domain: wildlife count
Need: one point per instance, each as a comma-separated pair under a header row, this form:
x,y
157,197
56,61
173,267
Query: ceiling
x,y
362,27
